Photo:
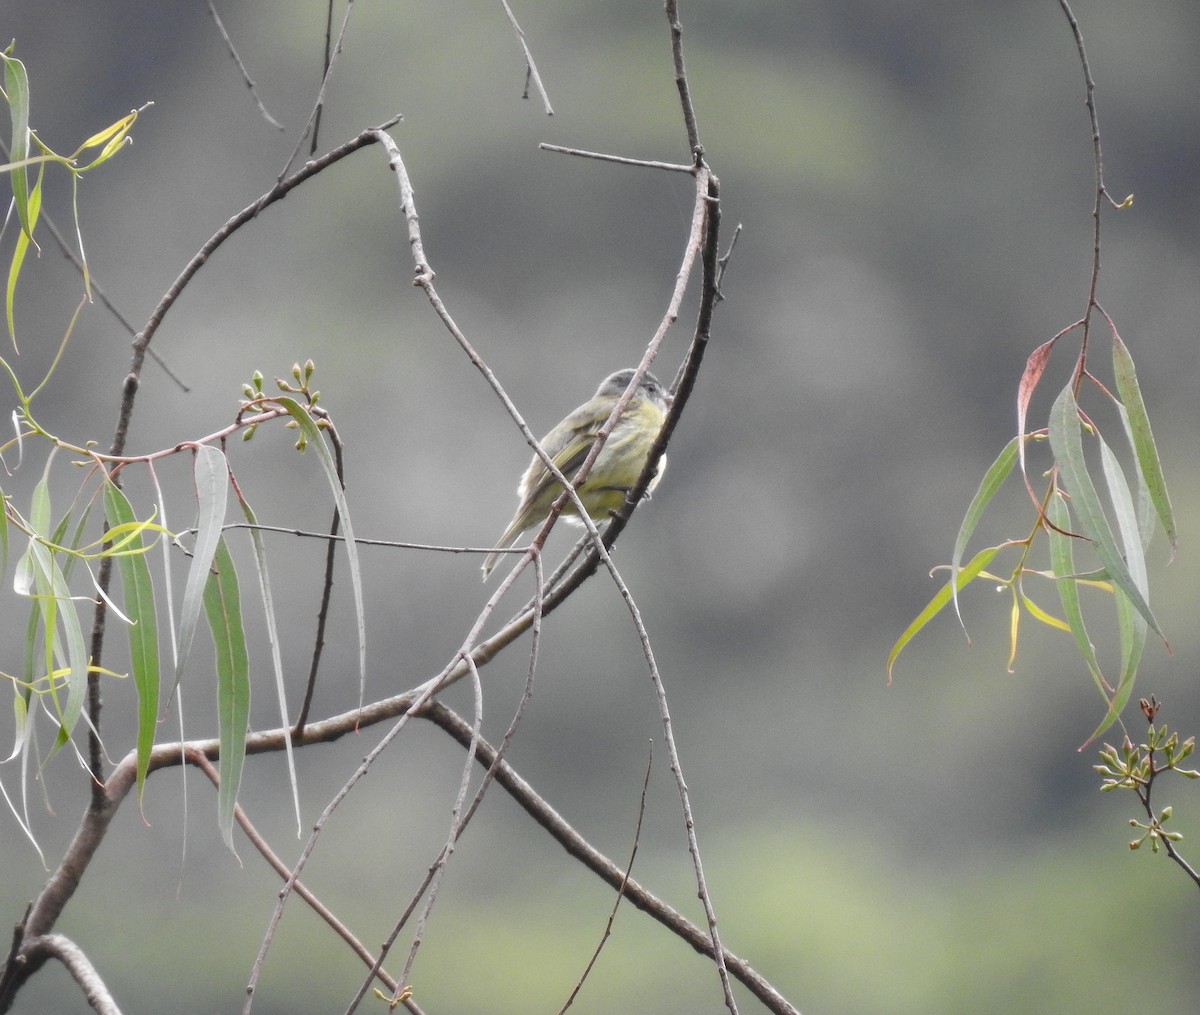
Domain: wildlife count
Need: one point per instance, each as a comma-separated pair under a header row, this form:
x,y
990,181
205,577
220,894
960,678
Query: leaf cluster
x,y
1071,513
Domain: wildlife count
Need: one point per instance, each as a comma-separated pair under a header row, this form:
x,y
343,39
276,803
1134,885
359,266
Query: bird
x,y
614,473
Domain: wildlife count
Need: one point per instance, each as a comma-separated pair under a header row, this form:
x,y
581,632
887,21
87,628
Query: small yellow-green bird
x,y
616,469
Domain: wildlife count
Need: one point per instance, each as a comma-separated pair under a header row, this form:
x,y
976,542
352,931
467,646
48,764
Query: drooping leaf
x,y
939,601
312,435
1040,615
212,488
20,249
1126,515
992,480
54,600
16,86
1035,366
39,576
222,607
1129,623
1067,443
3,535
143,626
1014,624
268,601
1062,561
1141,437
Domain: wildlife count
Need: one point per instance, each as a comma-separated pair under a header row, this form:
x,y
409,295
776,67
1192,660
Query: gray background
x,y
915,183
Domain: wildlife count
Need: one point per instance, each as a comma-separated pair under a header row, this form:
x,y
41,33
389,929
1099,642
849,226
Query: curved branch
x,y
58,946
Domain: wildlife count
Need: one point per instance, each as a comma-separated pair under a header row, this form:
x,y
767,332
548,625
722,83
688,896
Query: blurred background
x,y
915,186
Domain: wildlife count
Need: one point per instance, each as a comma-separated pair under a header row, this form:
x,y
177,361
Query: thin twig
x,y
279,191
1101,190
212,10
612,916
339,460
583,851
456,828
200,761
315,116
674,167
488,776
325,62
676,767
1144,792
531,71
681,81
423,278
64,247
311,844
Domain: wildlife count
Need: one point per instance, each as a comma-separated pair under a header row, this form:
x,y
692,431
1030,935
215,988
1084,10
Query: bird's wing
x,y
568,458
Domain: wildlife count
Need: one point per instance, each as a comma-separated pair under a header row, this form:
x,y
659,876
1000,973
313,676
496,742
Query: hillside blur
x,y
915,186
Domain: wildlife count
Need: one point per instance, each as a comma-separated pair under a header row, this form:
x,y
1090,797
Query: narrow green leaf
x,y
1142,438
143,631
16,86
57,607
20,249
992,480
1131,626
939,601
1067,444
39,576
268,601
212,488
315,440
1146,512
23,692
222,607
1041,615
113,131
1062,561
39,504
1126,515
3,534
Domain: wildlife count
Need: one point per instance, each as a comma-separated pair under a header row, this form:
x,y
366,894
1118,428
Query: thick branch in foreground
x,y
62,884
67,952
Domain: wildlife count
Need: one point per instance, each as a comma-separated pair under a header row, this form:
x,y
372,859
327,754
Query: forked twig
x,y
531,72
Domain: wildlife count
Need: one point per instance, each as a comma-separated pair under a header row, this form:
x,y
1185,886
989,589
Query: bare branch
x,y
612,916
264,849
331,56
681,82
674,167
212,10
583,851
1101,190
82,971
531,71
